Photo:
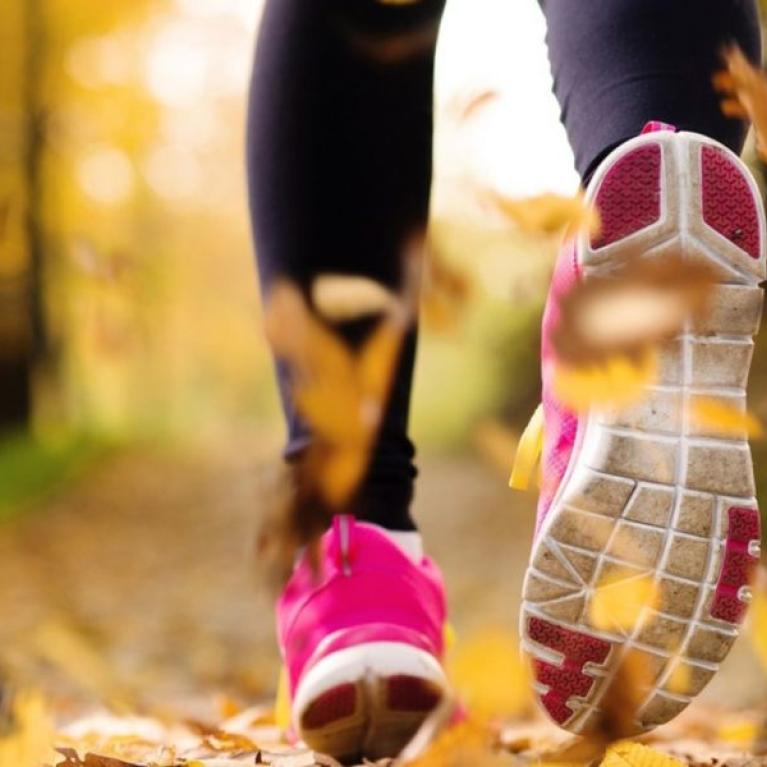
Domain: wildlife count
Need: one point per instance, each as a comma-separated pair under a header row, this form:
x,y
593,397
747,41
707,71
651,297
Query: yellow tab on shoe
x,y
528,452
282,703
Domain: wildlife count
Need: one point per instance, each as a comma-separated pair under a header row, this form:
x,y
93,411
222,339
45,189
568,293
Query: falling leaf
x,y
744,89
632,678
28,739
640,303
549,214
490,675
617,603
496,443
466,743
468,107
428,733
680,679
617,382
725,419
445,293
341,393
341,297
739,732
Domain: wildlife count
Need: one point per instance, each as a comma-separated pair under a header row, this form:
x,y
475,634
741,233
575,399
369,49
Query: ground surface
x,y
136,580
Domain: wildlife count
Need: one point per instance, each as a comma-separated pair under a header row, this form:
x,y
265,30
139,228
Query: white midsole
x,y
372,659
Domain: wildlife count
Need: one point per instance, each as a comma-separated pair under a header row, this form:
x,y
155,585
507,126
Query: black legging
x,y
340,142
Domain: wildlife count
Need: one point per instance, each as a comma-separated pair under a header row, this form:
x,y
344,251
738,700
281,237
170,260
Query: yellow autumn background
x,y
138,415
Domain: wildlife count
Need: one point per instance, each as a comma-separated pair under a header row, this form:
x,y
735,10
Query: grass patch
x,y
30,470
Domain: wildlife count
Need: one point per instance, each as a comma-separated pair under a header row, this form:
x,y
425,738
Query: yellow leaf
x,y
340,474
341,297
490,675
744,89
618,382
467,743
725,419
617,603
629,754
445,293
332,407
378,360
740,732
680,678
550,213
31,737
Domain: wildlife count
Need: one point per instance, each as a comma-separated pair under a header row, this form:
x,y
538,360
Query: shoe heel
x,y
367,700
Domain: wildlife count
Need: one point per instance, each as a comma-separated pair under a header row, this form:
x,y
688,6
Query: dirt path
x,y
148,556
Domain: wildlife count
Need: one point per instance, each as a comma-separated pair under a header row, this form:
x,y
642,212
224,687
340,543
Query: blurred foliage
x,y
135,183
149,291
30,469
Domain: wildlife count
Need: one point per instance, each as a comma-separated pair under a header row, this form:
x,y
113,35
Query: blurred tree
x,y
20,329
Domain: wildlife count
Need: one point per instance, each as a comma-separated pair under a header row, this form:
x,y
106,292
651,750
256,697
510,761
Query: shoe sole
x,y
367,701
648,492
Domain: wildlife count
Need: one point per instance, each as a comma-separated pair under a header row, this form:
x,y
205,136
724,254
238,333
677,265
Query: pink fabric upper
x,y
560,423
367,590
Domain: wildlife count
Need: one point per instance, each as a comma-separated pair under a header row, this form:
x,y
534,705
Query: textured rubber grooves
x,y
739,566
629,198
371,719
728,203
567,679
650,492
332,706
408,693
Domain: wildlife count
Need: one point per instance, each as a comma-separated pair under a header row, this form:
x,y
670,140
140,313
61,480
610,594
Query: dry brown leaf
x,y
639,304
468,107
549,214
342,297
446,292
428,733
221,740
341,393
744,93
632,680
96,760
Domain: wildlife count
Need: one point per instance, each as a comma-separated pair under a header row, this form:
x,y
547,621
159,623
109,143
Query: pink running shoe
x,y
682,494
362,642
